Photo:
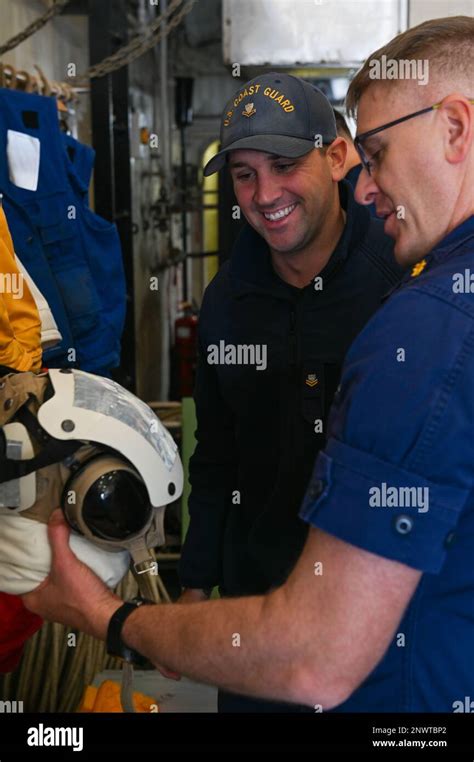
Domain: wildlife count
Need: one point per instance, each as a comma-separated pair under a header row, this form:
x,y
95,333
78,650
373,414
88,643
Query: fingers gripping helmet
x,y
84,443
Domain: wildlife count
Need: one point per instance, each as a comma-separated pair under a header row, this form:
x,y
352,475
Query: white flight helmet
x,y
86,444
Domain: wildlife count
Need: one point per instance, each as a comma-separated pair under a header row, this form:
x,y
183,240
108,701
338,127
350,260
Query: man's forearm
x,y
232,643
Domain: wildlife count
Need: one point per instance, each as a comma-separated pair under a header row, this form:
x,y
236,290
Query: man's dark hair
x,y
341,125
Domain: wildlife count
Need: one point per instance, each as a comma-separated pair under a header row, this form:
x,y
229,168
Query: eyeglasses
x,y
368,163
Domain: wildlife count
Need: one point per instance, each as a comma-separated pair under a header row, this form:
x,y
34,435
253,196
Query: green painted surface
x,y
188,445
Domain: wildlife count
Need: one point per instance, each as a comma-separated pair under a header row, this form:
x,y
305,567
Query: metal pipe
x,y
164,101
184,216
165,141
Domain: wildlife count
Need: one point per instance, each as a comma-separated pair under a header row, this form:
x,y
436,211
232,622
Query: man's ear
x,y
336,154
459,119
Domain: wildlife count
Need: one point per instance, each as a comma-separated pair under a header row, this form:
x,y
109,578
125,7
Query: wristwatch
x,y
115,644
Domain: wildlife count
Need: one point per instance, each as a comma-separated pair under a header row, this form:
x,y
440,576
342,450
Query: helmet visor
x,y
116,506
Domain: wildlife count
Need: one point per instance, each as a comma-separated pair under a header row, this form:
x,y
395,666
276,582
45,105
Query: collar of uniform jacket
x,y
251,267
444,250
456,238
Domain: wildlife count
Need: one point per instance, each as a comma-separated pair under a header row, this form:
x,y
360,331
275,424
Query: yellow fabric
x,y
20,323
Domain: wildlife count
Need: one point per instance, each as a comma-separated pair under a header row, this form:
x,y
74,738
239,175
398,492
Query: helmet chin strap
x,y
147,580
139,547
53,450
145,571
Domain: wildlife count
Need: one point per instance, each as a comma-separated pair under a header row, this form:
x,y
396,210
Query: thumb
x,y
58,535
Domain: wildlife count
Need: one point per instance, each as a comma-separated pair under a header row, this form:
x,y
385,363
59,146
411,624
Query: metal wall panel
x,y
289,32
422,10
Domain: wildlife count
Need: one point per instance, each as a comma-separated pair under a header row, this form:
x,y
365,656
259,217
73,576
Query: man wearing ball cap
x,y
305,275
278,114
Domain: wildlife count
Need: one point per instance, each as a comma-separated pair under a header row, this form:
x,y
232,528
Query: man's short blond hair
x,y
447,43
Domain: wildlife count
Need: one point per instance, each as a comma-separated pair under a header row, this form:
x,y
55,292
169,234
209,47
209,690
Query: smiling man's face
x,y
285,200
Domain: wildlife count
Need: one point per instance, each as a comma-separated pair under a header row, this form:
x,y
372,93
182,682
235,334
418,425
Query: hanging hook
x,y
22,81
45,83
8,76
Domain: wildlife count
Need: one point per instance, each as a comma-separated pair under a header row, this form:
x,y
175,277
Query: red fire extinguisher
x,y
186,343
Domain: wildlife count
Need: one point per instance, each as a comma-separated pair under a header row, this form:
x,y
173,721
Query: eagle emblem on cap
x,y
249,110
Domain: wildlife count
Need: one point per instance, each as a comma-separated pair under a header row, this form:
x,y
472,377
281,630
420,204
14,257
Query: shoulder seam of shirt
x,y
442,294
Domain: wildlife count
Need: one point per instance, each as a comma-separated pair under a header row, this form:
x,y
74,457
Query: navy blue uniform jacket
x,y
258,433
404,421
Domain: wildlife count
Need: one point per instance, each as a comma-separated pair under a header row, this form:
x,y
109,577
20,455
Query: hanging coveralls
x,y
101,243
20,324
20,349
73,256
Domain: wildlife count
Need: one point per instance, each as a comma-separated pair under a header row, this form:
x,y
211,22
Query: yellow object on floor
x,y
106,698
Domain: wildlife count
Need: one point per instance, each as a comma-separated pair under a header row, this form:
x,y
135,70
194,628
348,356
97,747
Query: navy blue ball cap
x,y
276,113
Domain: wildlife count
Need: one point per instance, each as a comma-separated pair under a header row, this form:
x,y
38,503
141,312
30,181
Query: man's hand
x,y
71,594
187,596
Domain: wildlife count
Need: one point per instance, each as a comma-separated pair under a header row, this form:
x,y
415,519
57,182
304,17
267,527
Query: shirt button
x,y
316,488
403,524
450,537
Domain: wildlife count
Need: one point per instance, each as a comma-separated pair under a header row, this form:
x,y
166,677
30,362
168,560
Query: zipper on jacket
x,y
295,314
294,390
293,339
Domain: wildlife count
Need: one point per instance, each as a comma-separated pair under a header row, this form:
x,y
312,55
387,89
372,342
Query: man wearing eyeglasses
x,y
378,614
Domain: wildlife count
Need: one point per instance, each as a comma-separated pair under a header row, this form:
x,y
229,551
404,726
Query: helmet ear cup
x,y
106,499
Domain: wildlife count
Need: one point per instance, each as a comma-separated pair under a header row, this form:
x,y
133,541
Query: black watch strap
x,y
115,644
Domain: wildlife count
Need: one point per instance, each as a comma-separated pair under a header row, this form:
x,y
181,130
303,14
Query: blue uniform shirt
x,y
397,475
